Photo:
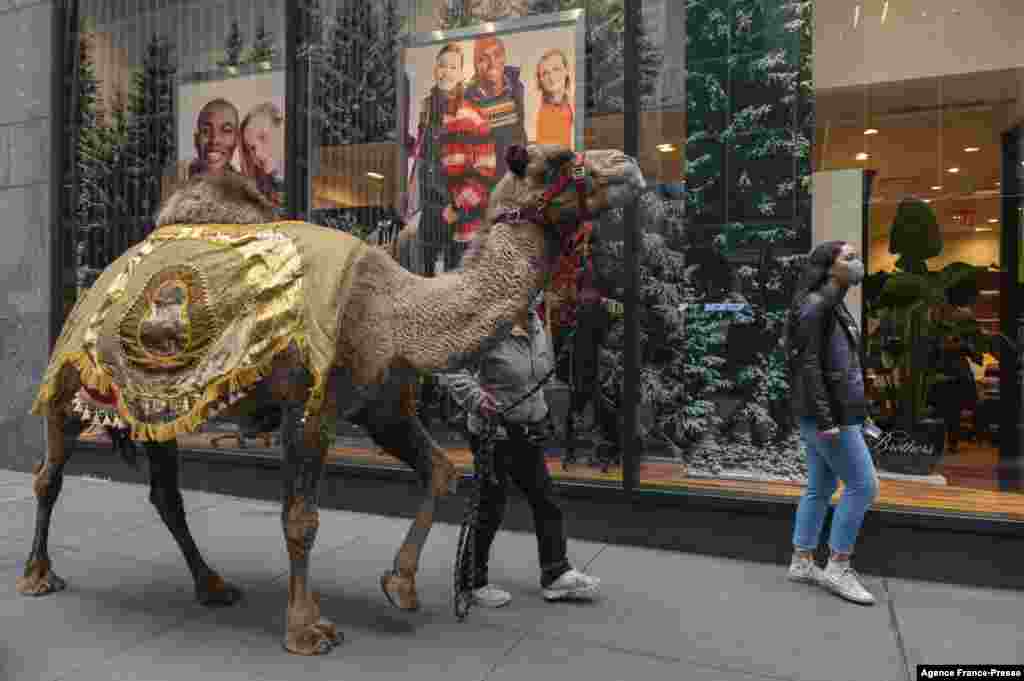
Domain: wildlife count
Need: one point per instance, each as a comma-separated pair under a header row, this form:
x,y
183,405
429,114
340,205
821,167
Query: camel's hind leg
x,y
305,455
165,495
38,578
395,426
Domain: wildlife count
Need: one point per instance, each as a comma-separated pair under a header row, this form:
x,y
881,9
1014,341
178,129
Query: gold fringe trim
x,y
223,392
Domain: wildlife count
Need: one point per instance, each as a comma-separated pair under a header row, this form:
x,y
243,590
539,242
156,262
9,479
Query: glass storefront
x,y
763,127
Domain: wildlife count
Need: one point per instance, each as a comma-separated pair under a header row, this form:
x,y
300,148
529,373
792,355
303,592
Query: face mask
x,y
856,272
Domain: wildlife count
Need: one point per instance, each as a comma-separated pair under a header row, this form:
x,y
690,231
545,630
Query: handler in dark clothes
x,y
502,378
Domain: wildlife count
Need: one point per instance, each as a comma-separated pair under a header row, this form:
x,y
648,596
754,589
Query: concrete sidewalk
x,y
128,613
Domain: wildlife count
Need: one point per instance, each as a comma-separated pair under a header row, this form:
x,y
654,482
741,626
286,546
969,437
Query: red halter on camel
x,y
518,158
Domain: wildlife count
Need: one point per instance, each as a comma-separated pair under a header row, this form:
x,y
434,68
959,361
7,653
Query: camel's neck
x,y
454,316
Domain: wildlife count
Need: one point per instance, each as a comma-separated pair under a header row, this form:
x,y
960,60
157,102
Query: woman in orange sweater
x,y
555,116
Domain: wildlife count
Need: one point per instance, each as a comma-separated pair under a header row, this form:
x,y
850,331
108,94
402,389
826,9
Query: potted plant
x,y
908,305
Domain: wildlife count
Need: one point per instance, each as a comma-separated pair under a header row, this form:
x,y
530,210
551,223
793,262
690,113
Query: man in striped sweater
x,y
498,92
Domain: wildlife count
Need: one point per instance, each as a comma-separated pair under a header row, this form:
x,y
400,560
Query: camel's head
x,y
547,177
229,199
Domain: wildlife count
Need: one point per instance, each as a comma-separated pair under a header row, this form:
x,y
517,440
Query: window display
x,y
773,127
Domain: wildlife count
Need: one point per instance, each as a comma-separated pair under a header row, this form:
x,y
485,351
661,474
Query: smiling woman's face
x,y
261,144
448,71
552,77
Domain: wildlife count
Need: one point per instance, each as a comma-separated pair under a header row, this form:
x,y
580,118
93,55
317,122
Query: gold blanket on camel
x,y
185,322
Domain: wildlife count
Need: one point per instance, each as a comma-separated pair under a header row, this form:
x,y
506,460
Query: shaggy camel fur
x,y
391,322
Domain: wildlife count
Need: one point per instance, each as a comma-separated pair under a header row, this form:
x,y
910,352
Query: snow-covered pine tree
x,y
750,116
151,119
262,44
460,13
233,46
750,122
354,61
94,151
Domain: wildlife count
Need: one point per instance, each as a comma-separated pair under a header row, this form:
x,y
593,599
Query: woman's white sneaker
x,y
491,596
804,570
840,579
571,585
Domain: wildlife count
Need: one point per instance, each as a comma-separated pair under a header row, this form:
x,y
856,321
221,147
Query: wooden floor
x,y
971,487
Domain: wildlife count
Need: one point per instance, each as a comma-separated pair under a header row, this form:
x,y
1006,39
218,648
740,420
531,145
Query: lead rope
x,y
465,555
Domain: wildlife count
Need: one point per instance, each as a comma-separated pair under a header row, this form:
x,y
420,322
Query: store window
x,y
928,145
765,127
719,267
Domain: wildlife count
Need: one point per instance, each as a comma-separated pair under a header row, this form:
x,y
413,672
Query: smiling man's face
x,y
490,64
216,137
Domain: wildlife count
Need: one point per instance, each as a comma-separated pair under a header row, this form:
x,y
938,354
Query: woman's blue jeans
x,y
845,457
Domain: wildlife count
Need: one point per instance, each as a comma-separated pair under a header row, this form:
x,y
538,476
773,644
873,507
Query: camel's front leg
x,y
394,425
305,453
38,578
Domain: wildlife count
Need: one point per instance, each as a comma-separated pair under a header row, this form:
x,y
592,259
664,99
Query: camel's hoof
x,y
400,591
313,639
214,591
39,580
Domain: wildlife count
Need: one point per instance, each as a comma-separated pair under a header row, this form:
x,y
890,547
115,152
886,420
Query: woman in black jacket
x,y
830,403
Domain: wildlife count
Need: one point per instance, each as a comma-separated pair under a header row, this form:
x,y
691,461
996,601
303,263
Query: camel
x,y
221,310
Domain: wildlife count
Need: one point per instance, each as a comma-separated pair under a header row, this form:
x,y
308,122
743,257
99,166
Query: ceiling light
x,y
666,147
927,200
862,156
993,221
856,16
954,170
375,176
936,187
982,229
871,131
971,150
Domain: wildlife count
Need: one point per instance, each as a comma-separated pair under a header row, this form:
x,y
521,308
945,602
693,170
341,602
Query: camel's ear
x,y
517,159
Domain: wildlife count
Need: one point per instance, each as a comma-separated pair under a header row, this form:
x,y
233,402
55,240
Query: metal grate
x,y
124,151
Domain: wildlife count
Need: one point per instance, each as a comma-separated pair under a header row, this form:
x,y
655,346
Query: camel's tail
x,y
121,439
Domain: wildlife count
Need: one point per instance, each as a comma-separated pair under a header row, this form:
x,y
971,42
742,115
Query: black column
x,y
58,158
297,110
1011,310
865,239
631,351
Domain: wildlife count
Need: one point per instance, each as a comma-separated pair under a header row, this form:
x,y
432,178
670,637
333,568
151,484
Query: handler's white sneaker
x,y
572,584
491,596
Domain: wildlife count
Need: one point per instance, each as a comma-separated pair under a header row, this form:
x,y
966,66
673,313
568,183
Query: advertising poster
x,y
472,95
234,124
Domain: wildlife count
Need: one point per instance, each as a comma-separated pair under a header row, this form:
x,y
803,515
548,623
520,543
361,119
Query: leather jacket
x,y
824,353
